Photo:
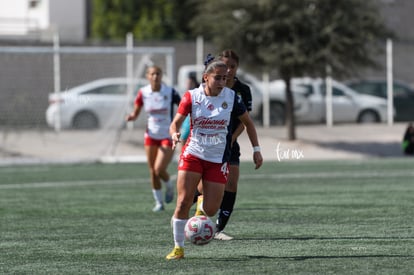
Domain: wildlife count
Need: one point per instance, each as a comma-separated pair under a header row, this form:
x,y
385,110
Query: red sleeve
x,y
185,105
139,100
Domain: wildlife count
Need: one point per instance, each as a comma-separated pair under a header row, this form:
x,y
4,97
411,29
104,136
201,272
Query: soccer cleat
x,y
222,236
176,253
169,195
158,208
199,212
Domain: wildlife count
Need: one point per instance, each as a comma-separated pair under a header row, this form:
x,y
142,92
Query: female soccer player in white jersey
x,y
229,198
157,99
207,149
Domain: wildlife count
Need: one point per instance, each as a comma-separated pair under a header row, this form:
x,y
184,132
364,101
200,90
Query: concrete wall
x,y
69,17
38,20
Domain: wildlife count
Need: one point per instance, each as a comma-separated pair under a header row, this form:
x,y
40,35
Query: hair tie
x,y
208,59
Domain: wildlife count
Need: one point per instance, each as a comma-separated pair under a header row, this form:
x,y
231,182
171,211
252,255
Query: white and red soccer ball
x,y
199,230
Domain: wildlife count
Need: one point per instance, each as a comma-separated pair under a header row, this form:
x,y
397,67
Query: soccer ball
x,y
199,230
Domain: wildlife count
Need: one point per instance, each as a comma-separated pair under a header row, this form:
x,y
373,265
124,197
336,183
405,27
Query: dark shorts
x,y
235,154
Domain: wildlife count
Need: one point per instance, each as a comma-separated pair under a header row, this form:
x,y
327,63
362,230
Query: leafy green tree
x,y
112,19
295,37
146,19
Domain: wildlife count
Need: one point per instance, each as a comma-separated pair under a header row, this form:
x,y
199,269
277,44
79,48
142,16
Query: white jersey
x,y
210,134
159,109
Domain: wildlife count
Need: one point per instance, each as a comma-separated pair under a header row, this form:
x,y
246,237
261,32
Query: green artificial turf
x,y
316,217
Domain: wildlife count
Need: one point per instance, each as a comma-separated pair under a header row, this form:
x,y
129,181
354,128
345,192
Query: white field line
x,y
76,183
343,174
69,183
317,175
24,169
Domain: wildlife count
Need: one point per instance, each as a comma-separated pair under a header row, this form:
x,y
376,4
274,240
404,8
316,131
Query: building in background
x,y
41,19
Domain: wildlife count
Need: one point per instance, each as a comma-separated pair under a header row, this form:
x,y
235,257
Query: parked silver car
x,y
276,99
347,105
309,99
100,103
403,94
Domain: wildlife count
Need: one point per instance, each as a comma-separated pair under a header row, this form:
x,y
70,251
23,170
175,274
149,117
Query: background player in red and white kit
x,y
207,149
157,99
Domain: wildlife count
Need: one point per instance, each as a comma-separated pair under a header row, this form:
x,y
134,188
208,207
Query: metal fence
x,y
29,75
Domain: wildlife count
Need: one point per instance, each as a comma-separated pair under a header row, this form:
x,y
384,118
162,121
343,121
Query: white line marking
x,y
70,183
316,175
344,174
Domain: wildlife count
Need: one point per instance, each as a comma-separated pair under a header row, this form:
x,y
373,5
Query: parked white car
x,y
309,99
276,99
347,105
100,103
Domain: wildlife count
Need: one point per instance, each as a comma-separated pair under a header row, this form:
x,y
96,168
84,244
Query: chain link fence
x,y
32,77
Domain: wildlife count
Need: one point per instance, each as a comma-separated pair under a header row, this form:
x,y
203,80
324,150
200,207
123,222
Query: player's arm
x,y
134,114
138,103
175,128
252,134
247,100
183,110
237,132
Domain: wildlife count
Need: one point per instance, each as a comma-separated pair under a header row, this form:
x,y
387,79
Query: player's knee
x,y
152,171
231,186
209,210
159,171
183,207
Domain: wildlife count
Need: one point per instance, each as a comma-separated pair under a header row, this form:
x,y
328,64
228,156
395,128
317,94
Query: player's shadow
x,y
303,258
312,257
374,149
307,238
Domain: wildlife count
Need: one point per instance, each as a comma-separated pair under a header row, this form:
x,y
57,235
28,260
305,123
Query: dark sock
x,y
196,196
226,208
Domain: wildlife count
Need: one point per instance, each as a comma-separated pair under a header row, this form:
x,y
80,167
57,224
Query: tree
x,y
146,19
295,37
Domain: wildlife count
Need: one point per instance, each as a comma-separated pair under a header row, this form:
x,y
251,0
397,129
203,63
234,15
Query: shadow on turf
x,y
303,258
305,238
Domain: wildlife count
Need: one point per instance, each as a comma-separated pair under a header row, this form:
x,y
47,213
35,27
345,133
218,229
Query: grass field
x,y
332,217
